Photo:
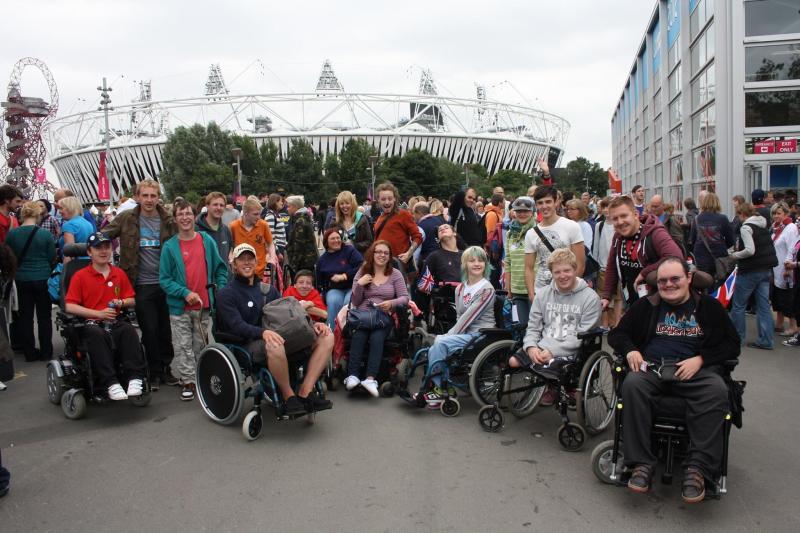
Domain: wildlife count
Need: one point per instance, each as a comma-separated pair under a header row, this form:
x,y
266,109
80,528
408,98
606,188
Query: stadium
x,y
464,130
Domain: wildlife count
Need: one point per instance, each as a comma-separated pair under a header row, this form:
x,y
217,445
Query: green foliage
x,y
513,182
573,177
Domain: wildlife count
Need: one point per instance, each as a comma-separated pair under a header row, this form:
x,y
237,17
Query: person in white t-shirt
x,y
559,232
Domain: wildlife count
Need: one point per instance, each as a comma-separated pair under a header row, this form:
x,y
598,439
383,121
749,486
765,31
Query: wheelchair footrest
x,y
406,396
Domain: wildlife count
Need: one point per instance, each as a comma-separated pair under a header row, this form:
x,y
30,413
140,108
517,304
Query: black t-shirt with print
x,y
630,265
677,336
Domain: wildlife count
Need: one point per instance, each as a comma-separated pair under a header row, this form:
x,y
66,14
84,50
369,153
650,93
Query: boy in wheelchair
x,y
98,293
674,342
239,307
560,311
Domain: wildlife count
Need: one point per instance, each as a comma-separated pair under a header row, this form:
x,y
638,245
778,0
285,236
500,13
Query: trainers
x,y
549,397
794,341
371,387
758,346
187,392
3,386
135,387
315,402
351,382
155,382
693,489
641,478
295,406
169,379
116,392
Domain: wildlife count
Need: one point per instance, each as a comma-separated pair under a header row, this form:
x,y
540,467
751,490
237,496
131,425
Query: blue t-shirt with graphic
x,y
149,250
677,335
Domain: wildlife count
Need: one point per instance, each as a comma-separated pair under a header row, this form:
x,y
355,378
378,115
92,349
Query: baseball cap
x,y
242,248
523,203
96,239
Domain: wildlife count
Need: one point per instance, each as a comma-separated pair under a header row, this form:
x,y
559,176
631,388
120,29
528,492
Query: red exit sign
x,y
786,147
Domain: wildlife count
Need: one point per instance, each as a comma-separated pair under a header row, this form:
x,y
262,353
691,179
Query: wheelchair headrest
x,y
700,280
75,249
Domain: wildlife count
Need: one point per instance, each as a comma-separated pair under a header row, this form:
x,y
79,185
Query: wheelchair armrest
x,y
519,327
494,331
594,332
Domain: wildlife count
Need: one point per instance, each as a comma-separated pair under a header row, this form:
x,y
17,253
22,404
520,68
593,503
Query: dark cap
x,y
96,239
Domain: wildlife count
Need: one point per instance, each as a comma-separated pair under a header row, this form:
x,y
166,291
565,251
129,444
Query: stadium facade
x,y
712,100
465,131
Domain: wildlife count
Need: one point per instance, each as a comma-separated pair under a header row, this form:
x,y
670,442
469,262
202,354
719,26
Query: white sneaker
x,y
3,386
371,386
135,387
115,392
351,382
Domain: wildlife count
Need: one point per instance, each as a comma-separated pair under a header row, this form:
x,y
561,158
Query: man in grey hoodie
x,y
560,311
211,222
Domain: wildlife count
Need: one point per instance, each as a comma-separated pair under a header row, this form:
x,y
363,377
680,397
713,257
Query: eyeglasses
x,y
674,280
381,252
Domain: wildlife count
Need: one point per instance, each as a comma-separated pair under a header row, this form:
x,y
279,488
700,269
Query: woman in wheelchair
x,y
337,267
562,310
378,288
98,293
673,341
239,307
474,299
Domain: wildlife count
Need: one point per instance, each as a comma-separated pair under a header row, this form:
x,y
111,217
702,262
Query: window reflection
x,y
769,63
772,108
771,17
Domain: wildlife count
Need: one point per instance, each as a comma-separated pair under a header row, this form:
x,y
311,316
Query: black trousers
x,y
33,296
706,398
153,317
104,350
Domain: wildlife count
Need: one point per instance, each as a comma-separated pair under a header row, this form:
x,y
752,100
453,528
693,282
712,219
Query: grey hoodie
x,y
556,318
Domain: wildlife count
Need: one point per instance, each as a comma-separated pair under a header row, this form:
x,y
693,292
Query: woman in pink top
x,y
379,285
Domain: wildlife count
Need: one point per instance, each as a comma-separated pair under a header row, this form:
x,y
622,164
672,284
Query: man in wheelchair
x,y
560,311
239,307
673,340
98,293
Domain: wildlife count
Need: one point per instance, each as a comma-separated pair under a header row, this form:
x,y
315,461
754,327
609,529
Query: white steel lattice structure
x,y
515,138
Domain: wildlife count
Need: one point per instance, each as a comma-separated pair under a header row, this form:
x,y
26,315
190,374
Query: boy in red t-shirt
x,y
98,292
10,201
309,297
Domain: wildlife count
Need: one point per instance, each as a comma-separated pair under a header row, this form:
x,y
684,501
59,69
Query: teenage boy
x,y
98,293
189,263
210,222
637,194
141,232
552,233
396,226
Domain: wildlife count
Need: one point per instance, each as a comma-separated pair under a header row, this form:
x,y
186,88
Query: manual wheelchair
x,y
437,318
70,380
589,374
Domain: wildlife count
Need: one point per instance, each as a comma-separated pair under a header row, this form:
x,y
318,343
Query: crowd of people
x,y
568,264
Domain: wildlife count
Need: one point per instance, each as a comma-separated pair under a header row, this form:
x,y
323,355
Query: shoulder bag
x,y
723,266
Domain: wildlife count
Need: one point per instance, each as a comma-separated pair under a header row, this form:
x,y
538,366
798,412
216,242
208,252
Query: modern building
x,y
464,130
712,100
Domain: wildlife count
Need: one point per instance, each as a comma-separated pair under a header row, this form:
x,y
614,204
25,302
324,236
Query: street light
x,y
466,175
373,160
237,153
105,99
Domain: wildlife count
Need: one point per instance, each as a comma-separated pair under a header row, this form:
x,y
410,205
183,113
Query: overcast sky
x,y
568,57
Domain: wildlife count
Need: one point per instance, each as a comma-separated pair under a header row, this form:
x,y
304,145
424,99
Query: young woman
x,y
377,285
354,223
474,309
337,267
784,236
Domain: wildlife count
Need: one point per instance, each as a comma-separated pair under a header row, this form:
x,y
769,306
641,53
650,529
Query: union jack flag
x,y
425,281
725,291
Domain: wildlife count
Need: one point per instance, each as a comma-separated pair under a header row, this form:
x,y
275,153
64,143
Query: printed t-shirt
x,y
149,250
630,265
677,335
562,234
90,289
193,253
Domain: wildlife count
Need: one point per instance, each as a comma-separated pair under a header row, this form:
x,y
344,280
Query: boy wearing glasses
x,y
671,340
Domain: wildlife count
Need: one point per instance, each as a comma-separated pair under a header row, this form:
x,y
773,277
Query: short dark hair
x,y
497,199
545,191
635,188
302,273
619,201
674,259
8,192
179,204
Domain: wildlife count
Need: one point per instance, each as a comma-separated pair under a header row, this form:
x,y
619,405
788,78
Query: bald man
x,y
656,207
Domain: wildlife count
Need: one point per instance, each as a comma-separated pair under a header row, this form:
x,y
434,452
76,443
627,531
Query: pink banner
x,y
41,175
102,180
764,147
786,147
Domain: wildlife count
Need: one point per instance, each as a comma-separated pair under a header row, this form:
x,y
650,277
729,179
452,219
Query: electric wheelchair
x,y
589,374
70,381
437,319
460,369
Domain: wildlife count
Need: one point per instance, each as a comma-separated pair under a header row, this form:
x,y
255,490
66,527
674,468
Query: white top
x,y
562,234
784,248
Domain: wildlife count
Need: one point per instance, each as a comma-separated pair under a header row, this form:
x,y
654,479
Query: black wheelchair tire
x,y
589,415
523,404
220,384
55,384
601,462
490,357
73,404
571,436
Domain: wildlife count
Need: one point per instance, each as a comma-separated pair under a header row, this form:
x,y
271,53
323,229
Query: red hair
x,y
369,259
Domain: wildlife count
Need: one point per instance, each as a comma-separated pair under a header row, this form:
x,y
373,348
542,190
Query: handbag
x,y
368,319
723,266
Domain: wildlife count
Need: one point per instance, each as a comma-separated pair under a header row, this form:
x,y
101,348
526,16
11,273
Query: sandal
x,y
641,478
693,489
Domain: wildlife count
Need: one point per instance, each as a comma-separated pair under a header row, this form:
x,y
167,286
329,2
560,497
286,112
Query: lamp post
x,y
237,153
466,175
373,160
105,99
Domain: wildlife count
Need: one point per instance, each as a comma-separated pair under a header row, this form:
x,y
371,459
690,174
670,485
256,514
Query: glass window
x,y
676,141
704,125
675,197
675,111
772,108
703,49
771,17
659,174
703,89
658,150
710,83
657,102
774,62
674,56
657,131
676,170
704,163
646,136
674,82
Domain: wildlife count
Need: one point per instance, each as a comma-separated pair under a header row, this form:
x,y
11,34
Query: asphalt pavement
x,y
369,465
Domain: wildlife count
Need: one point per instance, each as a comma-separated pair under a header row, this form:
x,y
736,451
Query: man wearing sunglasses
x,y
672,340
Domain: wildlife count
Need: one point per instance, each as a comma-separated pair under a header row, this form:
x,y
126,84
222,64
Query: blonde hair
x,y
148,184
562,255
71,205
710,203
251,203
32,210
475,252
437,207
296,200
346,197
580,206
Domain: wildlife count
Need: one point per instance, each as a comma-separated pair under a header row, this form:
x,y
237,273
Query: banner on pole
x,y
41,175
102,180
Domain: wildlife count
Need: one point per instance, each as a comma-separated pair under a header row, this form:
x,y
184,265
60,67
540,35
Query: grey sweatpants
x,y
189,337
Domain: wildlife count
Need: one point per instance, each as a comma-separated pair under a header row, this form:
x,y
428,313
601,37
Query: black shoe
x,y
641,478
295,406
693,489
315,402
3,491
758,346
168,379
155,382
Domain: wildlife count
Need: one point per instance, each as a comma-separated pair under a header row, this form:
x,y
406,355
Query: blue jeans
x,y
335,299
443,346
358,343
757,283
523,305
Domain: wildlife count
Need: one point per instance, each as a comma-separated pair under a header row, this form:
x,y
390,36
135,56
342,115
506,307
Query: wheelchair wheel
x,y
386,389
55,384
571,436
73,404
450,407
220,384
143,400
601,462
491,418
252,425
522,404
596,394
486,371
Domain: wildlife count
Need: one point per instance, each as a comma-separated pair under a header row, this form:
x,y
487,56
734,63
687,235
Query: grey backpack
x,y
287,318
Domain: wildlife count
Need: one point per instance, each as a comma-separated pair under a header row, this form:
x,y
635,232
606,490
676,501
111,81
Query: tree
x,y
574,177
301,172
354,169
513,182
